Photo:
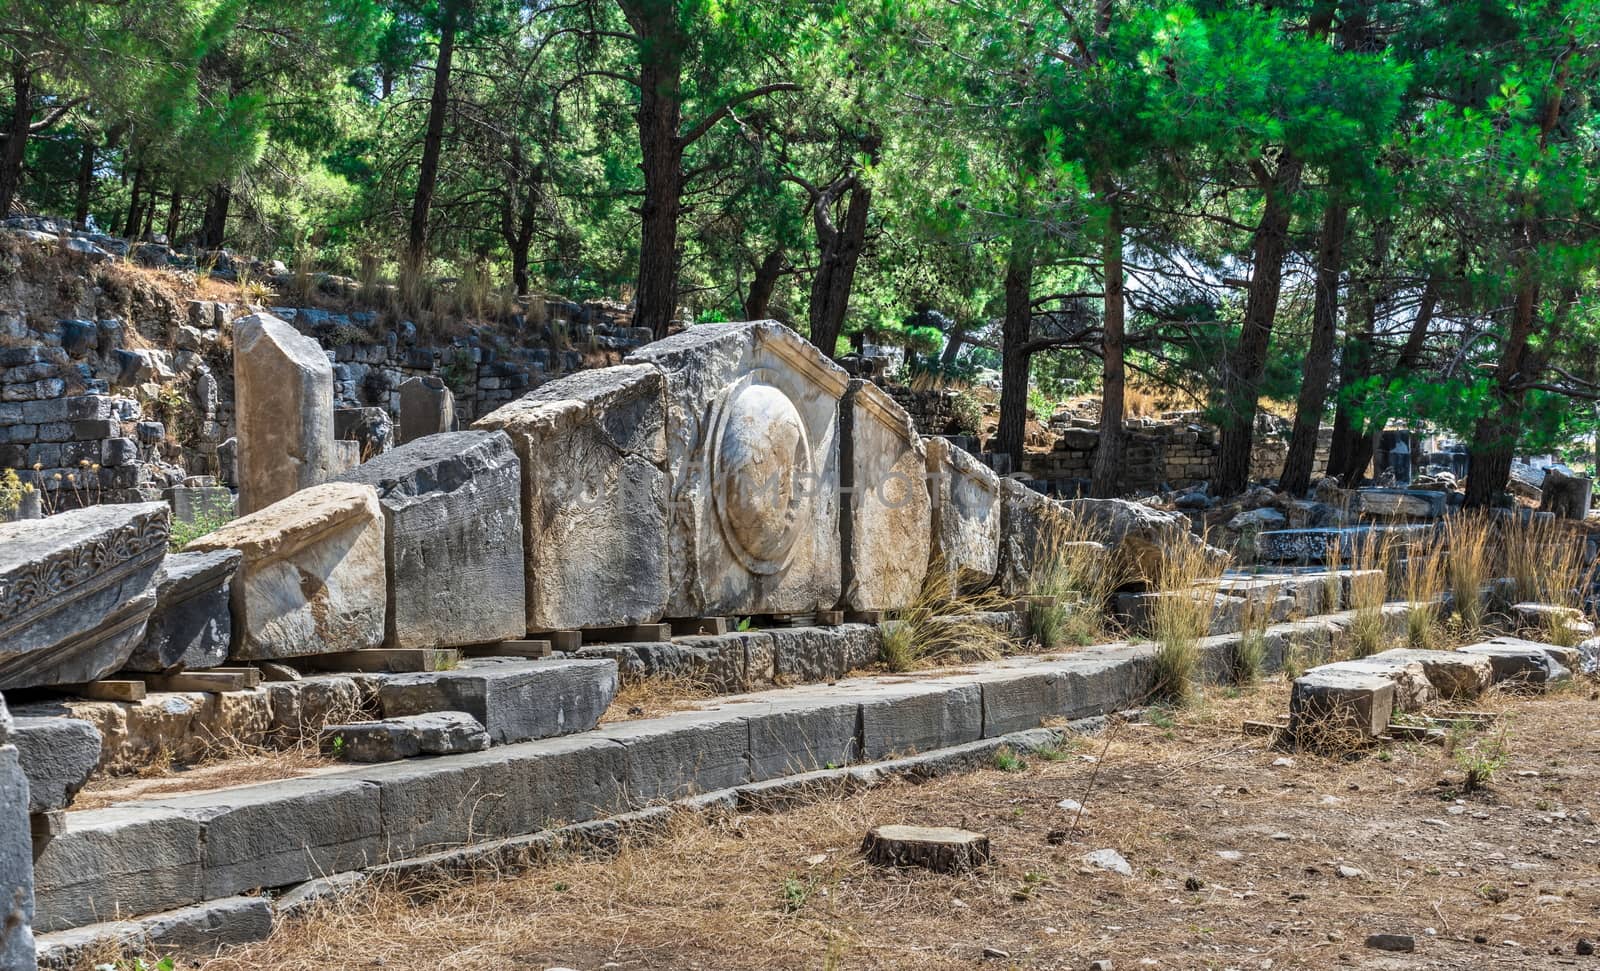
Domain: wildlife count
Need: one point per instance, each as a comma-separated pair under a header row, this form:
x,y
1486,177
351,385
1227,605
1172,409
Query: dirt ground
x,y
1236,862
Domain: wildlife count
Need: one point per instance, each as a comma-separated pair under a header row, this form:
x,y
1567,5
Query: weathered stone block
x,y
515,700
312,580
1398,504
281,833
1033,531
452,539
283,407
117,862
192,626
16,858
392,739
885,517
594,497
1323,701
752,446
1452,673
965,529
76,590
1520,662
427,407
57,755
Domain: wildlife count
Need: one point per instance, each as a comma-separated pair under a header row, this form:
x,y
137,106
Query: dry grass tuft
x,y
1180,617
945,626
1078,575
1371,558
654,696
1469,568
1422,586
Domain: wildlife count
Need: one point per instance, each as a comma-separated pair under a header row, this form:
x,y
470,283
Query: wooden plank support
x,y
1260,728
109,690
863,616
517,648
213,680
696,626
405,660
635,632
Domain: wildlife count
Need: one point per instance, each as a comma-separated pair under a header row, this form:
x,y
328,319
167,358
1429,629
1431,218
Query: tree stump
x,y
943,849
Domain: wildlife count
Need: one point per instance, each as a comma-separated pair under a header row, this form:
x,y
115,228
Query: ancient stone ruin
x,y
450,618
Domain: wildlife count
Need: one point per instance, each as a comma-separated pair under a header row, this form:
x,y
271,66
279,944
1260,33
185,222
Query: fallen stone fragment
x,y
392,739
76,591
1336,701
1521,662
594,498
1451,673
965,524
452,539
312,579
943,849
515,701
1412,689
885,514
57,755
1392,942
1109,859
192,627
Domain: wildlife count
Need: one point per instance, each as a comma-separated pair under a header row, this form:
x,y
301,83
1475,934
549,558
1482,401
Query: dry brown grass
x,y
1077,575
163,777
789,890
945,625
653,697
1470,568
1180,617
1371,559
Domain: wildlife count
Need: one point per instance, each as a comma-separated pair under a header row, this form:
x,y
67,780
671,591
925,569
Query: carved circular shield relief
x,y
760,466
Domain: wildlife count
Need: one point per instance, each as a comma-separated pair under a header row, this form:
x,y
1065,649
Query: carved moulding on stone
x,y
312,579
593,449
76,591
885,514
752,446
966,516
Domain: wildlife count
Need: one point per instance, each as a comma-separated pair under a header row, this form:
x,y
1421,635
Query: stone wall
x,y
1161,454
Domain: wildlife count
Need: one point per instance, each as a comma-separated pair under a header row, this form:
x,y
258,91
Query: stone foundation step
x,y
166,854
210,924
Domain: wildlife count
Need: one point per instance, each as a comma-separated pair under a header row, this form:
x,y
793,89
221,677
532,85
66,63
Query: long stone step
x,y
157,856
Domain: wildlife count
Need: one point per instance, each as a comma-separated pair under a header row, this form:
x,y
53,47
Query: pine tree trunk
x,y
661,45
1241,380
1108,458
762,286
1302,457
130,223
85,184
174,215
214,223
15,151
432,140
840,253
1016,329
1494,439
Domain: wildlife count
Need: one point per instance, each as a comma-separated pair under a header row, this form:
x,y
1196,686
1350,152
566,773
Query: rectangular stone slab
x,y
594,497
752,446
283,390
885,515
192,627
452,539
965,535
312,580
1342,700
57,755
76,591
514,700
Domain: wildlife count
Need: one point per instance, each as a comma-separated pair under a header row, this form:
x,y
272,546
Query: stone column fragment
x,y
283,406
